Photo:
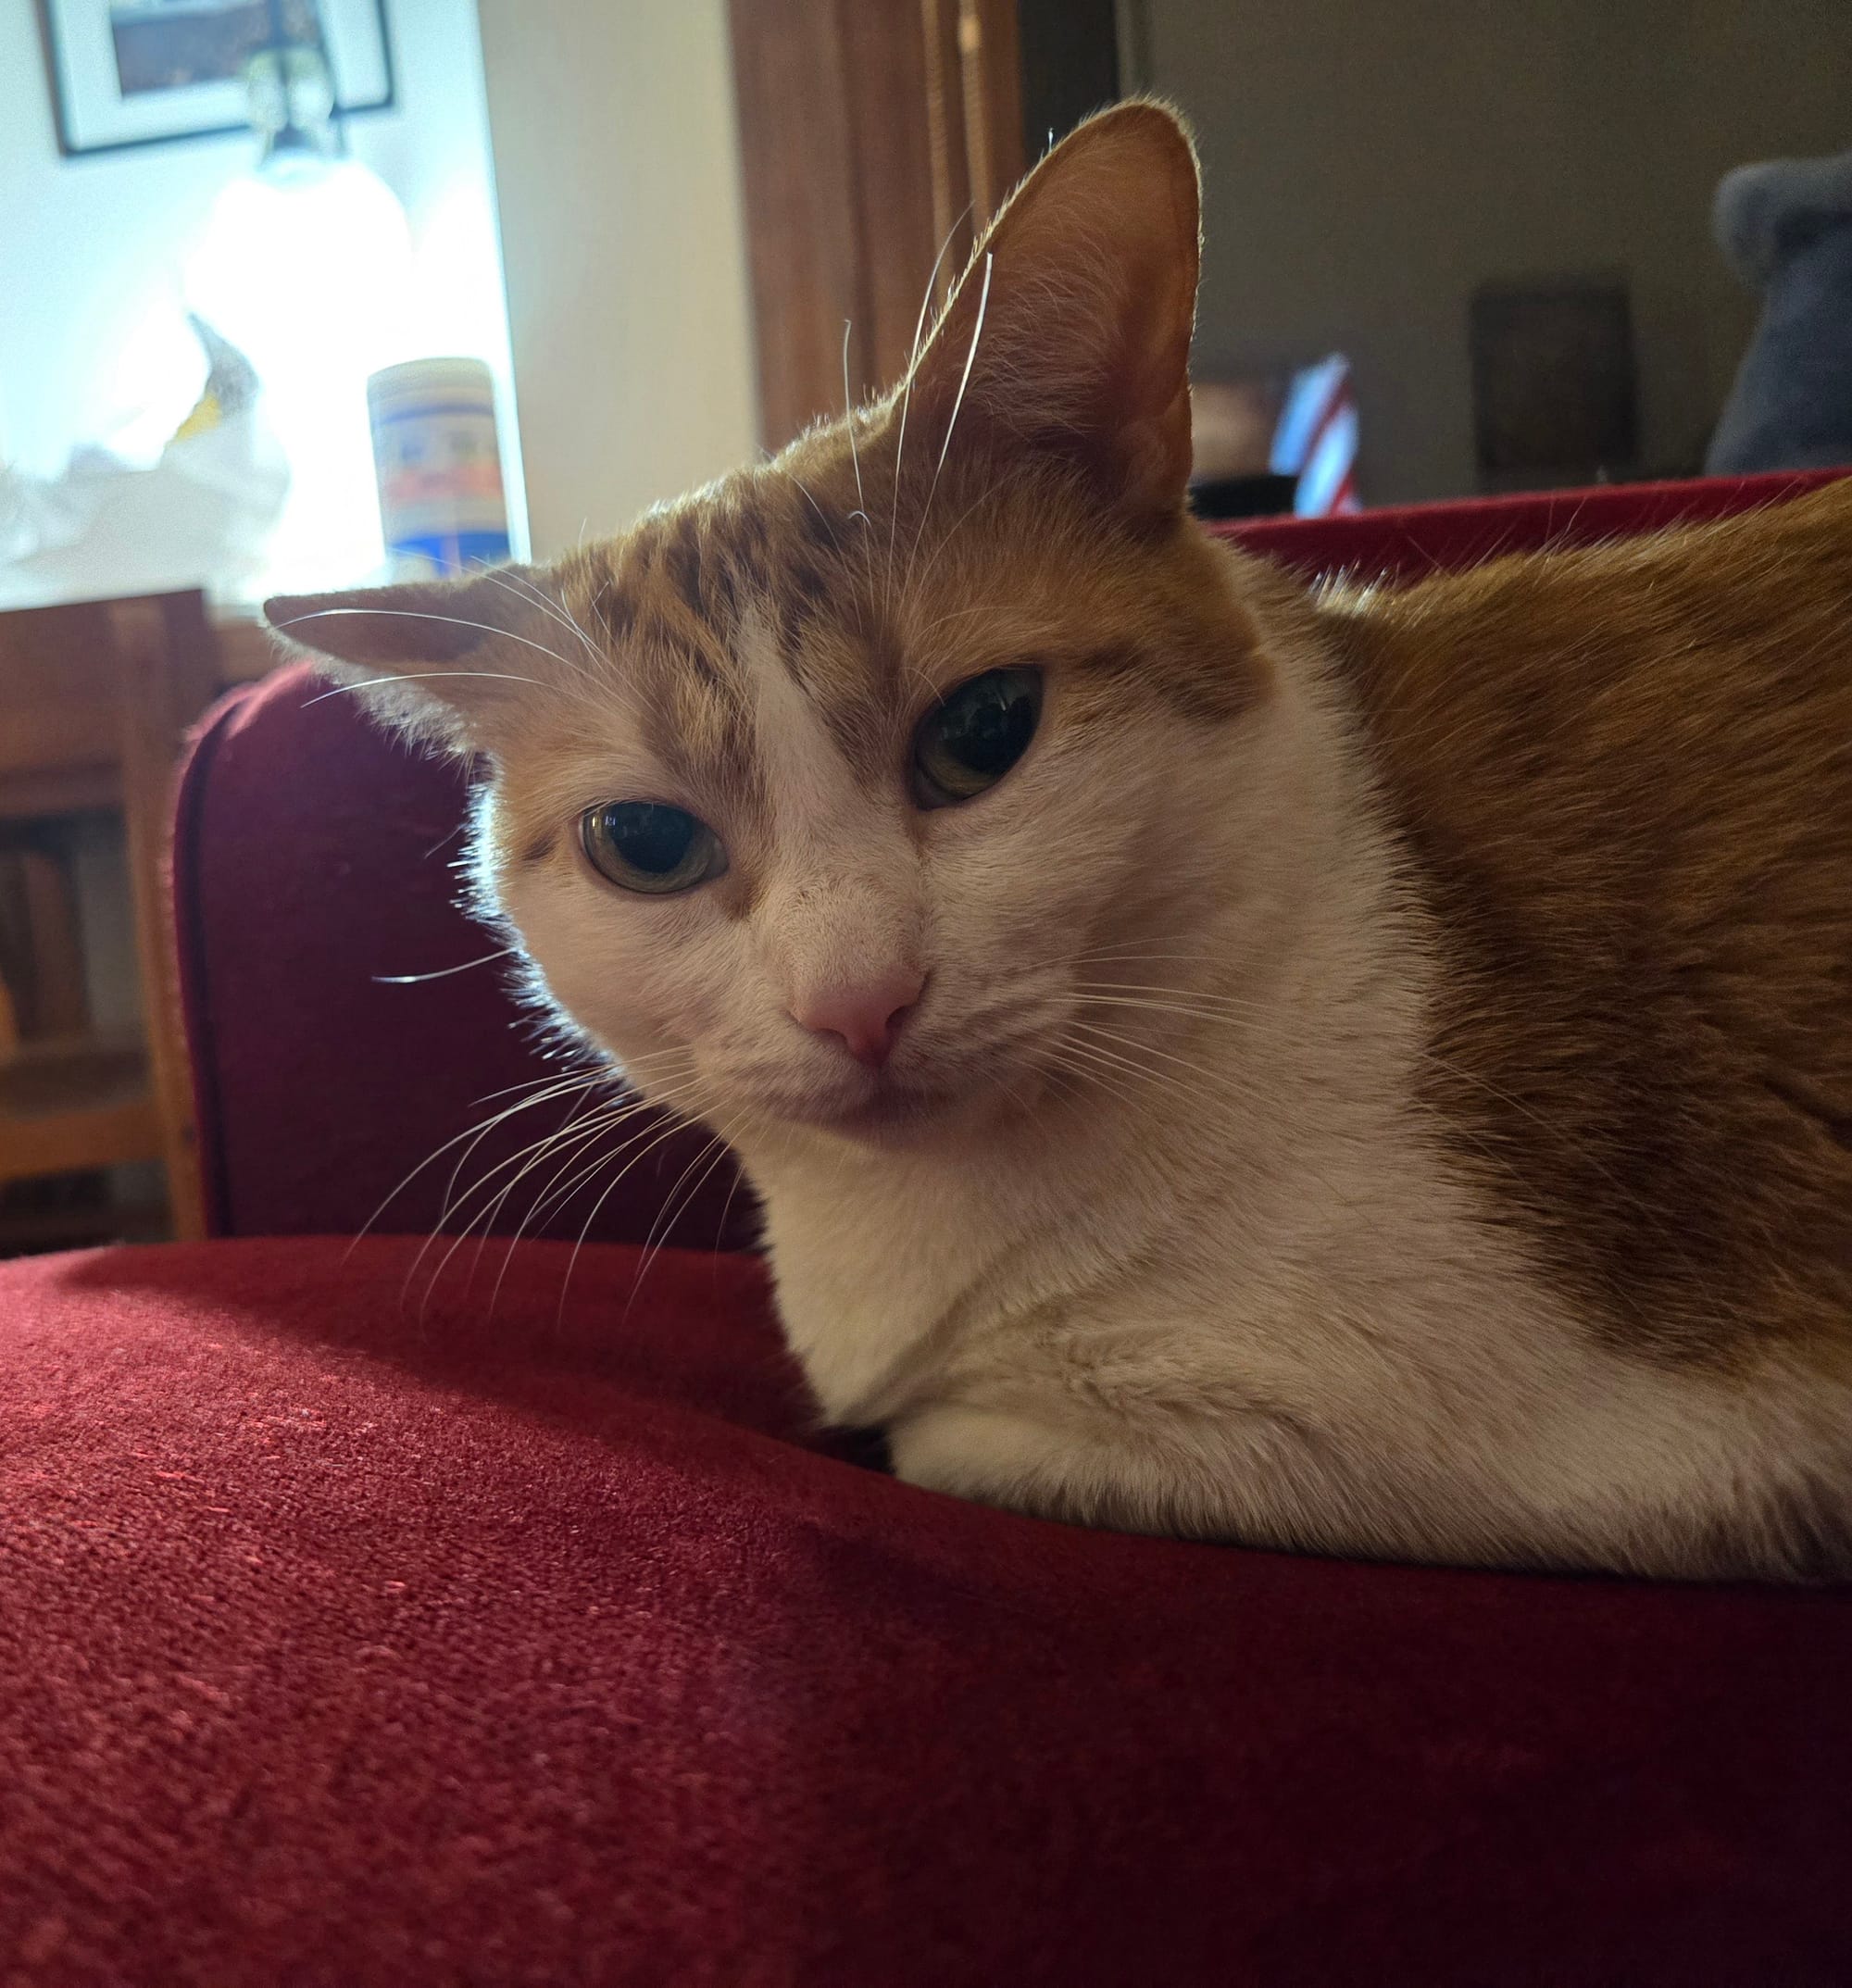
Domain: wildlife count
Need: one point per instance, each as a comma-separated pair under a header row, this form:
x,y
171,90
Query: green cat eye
x,y
643,845
973,738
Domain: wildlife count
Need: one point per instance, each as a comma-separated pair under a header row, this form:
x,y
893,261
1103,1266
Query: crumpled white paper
x,y
200,516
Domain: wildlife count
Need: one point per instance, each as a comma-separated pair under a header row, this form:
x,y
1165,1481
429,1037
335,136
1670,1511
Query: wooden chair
x,y
95,699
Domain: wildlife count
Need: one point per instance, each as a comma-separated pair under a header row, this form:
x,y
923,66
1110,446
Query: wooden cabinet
x,y
94,702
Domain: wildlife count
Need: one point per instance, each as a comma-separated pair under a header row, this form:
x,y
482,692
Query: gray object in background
x,y
1786,226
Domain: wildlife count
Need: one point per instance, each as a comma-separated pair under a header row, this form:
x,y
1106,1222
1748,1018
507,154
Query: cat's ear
x,y
443,660
1071,328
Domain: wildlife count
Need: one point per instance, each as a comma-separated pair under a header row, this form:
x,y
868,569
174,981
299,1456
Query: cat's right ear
x,y
443,660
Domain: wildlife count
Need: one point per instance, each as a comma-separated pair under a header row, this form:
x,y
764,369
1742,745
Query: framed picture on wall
x,y
141,73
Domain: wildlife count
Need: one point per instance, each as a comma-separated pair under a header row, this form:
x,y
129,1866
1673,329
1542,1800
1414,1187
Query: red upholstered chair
x,y
368,1619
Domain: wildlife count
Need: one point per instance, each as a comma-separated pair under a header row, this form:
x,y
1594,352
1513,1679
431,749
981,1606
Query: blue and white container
x,y
442,504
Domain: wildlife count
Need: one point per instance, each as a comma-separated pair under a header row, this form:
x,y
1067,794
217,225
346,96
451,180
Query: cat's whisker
x,y
849,421
1137,1005
917,586
951,425
415,676
1139,954
836,544
956,613
649,1146
727,1207
581,1084
1200,997
562,611
549,1088
527,1083
1199,1070
571,1138
415,614
555,1196
454,1204
1079,1037
584,1082
823,515
1143,1072
547,1200
1089,1069
568,1133
912,365
1219,1084
984,498
440,973
715,1150
1229,1008
528,591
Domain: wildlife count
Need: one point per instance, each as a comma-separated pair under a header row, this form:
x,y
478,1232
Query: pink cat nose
x,y
866,1017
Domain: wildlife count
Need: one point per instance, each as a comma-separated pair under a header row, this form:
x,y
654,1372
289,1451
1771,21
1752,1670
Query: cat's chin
x,y
886,1114
892,1115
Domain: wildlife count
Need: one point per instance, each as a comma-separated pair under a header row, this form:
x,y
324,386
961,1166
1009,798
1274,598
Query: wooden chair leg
x,y
156,709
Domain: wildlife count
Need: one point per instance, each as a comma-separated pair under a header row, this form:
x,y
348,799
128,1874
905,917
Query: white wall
x,y
1366,166
616,166
616,172
91,249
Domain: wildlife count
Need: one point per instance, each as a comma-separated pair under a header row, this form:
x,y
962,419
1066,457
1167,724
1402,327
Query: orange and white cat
x,y
1368,1071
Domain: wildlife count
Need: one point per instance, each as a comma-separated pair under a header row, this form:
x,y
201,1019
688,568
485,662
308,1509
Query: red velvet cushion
x,y
1415,540
315,862
343,1646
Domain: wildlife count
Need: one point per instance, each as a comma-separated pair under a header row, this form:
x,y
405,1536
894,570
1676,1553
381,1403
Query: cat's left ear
x,y
1071,328
443,660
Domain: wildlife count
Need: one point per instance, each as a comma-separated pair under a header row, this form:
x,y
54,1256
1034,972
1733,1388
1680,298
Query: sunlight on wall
x,y
100,257
618,177
307,269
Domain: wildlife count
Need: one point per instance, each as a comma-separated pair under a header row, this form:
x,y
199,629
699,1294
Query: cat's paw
x,y
983,1454
998,1456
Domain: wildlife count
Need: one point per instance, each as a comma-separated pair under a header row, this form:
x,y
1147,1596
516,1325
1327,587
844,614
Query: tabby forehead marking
x,y
806,775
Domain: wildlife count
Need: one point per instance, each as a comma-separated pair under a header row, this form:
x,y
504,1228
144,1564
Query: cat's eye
x,y
971,738
644,846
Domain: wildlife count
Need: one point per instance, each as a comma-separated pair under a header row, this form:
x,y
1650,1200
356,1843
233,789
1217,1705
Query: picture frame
x,y
145,72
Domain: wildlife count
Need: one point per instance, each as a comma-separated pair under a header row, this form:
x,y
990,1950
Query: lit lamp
x,y
306,265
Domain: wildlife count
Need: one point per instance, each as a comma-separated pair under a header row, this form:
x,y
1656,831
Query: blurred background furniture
x,y
94,700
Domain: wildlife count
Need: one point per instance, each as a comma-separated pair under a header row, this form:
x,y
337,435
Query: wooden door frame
x,y
872,132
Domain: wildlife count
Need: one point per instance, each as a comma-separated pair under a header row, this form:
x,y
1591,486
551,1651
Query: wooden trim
x,y
32,794
944,104
67,1107
167,662
990,60
244,649
859,127
799,197
74,1142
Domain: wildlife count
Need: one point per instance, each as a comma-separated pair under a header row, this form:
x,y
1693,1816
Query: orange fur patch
x,y
1626,777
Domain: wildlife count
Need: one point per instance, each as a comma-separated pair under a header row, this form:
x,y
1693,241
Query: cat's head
x,y
820,795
